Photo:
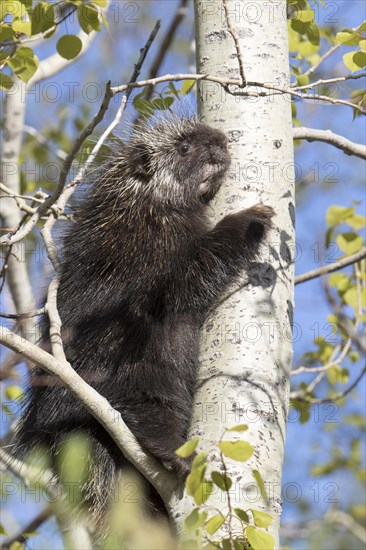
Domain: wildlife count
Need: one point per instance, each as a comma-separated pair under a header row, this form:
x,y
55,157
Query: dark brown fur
x,y
141,271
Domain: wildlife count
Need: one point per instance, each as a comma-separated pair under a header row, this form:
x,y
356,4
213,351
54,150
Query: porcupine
x,y
140,272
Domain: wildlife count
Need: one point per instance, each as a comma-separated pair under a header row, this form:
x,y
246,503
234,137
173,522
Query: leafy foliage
x,y
204,521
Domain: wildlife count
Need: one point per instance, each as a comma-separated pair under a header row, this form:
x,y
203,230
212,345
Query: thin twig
x,y
323,82
18,316
17,235
164,482
28,531
165,45
336,266
237,46
320,61
324,368
326,136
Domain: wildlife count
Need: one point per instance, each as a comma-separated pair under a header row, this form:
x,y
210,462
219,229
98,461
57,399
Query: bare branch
x,y
167,41
336,266
27,473
349,147
237,46
164,482
72,529
334,360
323,57
226,82
55,63
324,82
27,532
336,397
16,316
347,325
18,234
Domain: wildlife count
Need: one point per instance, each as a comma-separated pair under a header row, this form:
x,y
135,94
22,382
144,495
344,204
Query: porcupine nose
x,y
219,154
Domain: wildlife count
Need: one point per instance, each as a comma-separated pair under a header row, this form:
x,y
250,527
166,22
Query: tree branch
x,y
17,316
73,530
26,532
336,397
19,233
323,57
164,481
323,82
167,40
349,147
340,264
237,46
55,63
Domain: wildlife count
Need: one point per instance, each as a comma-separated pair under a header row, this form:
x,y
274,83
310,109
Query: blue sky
x,y
112,58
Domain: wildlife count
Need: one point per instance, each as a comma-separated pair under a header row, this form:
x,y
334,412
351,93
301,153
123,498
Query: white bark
x,y
246,345
17,274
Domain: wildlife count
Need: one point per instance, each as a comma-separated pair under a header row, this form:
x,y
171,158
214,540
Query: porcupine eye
x,y
184,149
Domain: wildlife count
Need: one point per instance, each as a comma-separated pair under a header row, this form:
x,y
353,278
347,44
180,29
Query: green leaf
x,y
5,81
261,519
299,26
188,448
6,33
337,375
303,407
203,492
302,80
73,459
350,242
24,27
13,392
362,45
313,34
221,481
348,37
354,356
242,515
43,18
195,478
13,8
259,480
359,59
2,531
306,16
351,297
162,103
88,17
238,428
338,214
259,540
187,86
24,63
237,450
174,90
101,3
306,48
214,524
354,61
340,281
195,519
69,46
356,221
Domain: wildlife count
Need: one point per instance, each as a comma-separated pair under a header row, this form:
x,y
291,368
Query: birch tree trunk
x,y
246,344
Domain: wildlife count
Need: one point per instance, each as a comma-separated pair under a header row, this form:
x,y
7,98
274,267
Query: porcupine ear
x,y
141,161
